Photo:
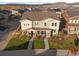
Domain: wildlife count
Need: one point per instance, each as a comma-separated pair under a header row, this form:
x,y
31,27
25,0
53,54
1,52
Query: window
x,y
38,32
45,24
28,24
70,21
77,21
36,23
55,24
52,24
42,32
54,31
74,29
24,24
74,21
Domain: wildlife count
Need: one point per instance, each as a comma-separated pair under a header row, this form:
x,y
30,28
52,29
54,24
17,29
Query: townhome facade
x,y
73,25
40,23
73,22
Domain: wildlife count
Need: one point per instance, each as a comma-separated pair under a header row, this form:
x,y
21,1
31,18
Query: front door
x,y
51,33
32,33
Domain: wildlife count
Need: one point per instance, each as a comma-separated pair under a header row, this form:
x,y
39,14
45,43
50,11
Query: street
x,y
37,52
6,35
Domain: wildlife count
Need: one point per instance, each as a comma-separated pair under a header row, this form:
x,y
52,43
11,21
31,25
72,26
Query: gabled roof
x,y
75,18
72,13
39,15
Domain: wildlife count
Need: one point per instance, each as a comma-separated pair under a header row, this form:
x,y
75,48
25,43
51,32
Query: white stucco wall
x,y
56,28
14,11
72,30
26,24
40,24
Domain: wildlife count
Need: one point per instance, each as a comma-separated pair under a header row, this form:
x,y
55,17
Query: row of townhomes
x,y
40,23
73,22
49,23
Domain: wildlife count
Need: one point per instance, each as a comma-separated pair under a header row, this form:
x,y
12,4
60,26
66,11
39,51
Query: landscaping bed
x,y
18,43
60,44
38,43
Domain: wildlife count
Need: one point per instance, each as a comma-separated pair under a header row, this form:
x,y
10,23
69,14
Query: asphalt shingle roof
x,y
73,13
39,15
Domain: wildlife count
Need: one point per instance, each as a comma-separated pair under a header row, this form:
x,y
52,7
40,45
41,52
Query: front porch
x,y
39,32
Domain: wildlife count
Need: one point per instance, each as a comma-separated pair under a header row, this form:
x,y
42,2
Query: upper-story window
x,y
24,24
55,24
36,23
77,21
52,24
74,21
70,21
45,24
28,24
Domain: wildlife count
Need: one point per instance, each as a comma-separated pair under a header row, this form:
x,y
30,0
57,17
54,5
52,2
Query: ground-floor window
x,y
38,32
72,29
25,32
32,33
42,32
54,31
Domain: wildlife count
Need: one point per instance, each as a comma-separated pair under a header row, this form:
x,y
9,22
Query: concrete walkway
x,y
46,43
30,43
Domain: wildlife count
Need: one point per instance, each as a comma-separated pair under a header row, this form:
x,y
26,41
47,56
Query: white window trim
x,y
70,21
74,21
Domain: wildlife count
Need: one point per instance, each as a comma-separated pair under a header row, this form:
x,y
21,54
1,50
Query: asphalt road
x,y
37,52
6,35
12,25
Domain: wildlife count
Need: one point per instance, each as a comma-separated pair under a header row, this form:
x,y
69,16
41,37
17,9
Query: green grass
x,y
18,43
38,43
61,44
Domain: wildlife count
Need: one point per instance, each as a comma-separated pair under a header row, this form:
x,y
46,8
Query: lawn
x,y
38,43
18,43
61,44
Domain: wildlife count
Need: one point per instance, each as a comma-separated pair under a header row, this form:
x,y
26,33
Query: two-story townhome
x,y
40,23
73,22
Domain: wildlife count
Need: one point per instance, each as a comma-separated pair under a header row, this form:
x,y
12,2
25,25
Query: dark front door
x,y
51,33
32,33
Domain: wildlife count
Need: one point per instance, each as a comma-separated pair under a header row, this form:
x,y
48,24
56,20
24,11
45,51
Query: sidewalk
x,y
30,43
46,43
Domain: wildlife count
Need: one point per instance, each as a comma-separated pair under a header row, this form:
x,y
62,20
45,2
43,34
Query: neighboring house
x,y
14,12
73,25
73,22
40,23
